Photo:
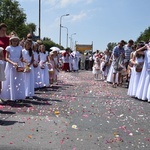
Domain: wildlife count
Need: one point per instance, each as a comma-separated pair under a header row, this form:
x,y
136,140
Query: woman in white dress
x,y
43,57
137,61
36,66
28,59
143,91
13,86
106,64
110,72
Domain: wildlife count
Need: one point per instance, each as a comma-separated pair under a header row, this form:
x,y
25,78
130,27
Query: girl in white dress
x,y
36,66
106,65
51,67
43,57
138,60
13,87
28,59
143,91
96,67
110,72
56,60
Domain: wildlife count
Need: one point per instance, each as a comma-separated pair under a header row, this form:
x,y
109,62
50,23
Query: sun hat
x,y
14,37
1,49
55,49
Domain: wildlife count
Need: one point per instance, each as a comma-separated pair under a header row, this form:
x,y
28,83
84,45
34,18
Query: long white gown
x,y
134,79
110,75
143,91
28,76
75,60
13,86
37,78
44,72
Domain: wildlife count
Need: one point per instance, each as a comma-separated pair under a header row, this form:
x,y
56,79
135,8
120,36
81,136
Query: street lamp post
x,y
71,41
39,19
60,28
67,36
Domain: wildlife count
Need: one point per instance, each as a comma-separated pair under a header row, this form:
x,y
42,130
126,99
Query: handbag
x,y
139,67
35,64
20,69
117,65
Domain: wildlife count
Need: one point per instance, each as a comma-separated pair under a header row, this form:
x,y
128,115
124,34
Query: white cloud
x,y
79,17
65,3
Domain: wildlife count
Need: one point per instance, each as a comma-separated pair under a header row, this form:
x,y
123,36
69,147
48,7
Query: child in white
x,y
28,59
13,87
43,57
96,67
51,67
36,66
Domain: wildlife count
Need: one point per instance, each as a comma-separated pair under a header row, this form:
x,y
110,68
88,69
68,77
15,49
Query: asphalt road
x,y
77,114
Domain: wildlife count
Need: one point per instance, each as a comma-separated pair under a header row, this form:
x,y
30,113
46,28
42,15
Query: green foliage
x,y
49,43
111,45
12,15
144,36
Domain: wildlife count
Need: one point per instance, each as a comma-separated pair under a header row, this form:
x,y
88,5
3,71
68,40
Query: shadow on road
x,y
8,123
7,112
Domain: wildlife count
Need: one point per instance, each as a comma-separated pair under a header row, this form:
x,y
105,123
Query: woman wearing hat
x,y
13,87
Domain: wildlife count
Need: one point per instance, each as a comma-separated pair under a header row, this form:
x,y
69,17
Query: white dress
x,y
28,76
56,63
134,79
97,66
143,91
37,79
44,72
110,75
75,60
13,87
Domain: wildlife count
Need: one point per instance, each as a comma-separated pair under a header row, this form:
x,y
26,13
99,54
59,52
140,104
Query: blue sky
x,y
97,21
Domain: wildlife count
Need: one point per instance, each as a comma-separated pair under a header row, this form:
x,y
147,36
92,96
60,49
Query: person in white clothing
x,y
13,87
43,58
28,59
36,66
75,61
143,91
138,61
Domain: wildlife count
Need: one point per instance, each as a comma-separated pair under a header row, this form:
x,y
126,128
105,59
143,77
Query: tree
x,y
144,36
111,45
14,17
49,43
32,27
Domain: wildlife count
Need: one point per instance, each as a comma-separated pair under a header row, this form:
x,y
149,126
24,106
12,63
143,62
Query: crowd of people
x,y
25,65
126,63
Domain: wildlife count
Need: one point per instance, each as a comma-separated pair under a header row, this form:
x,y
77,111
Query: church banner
x,y
82,47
